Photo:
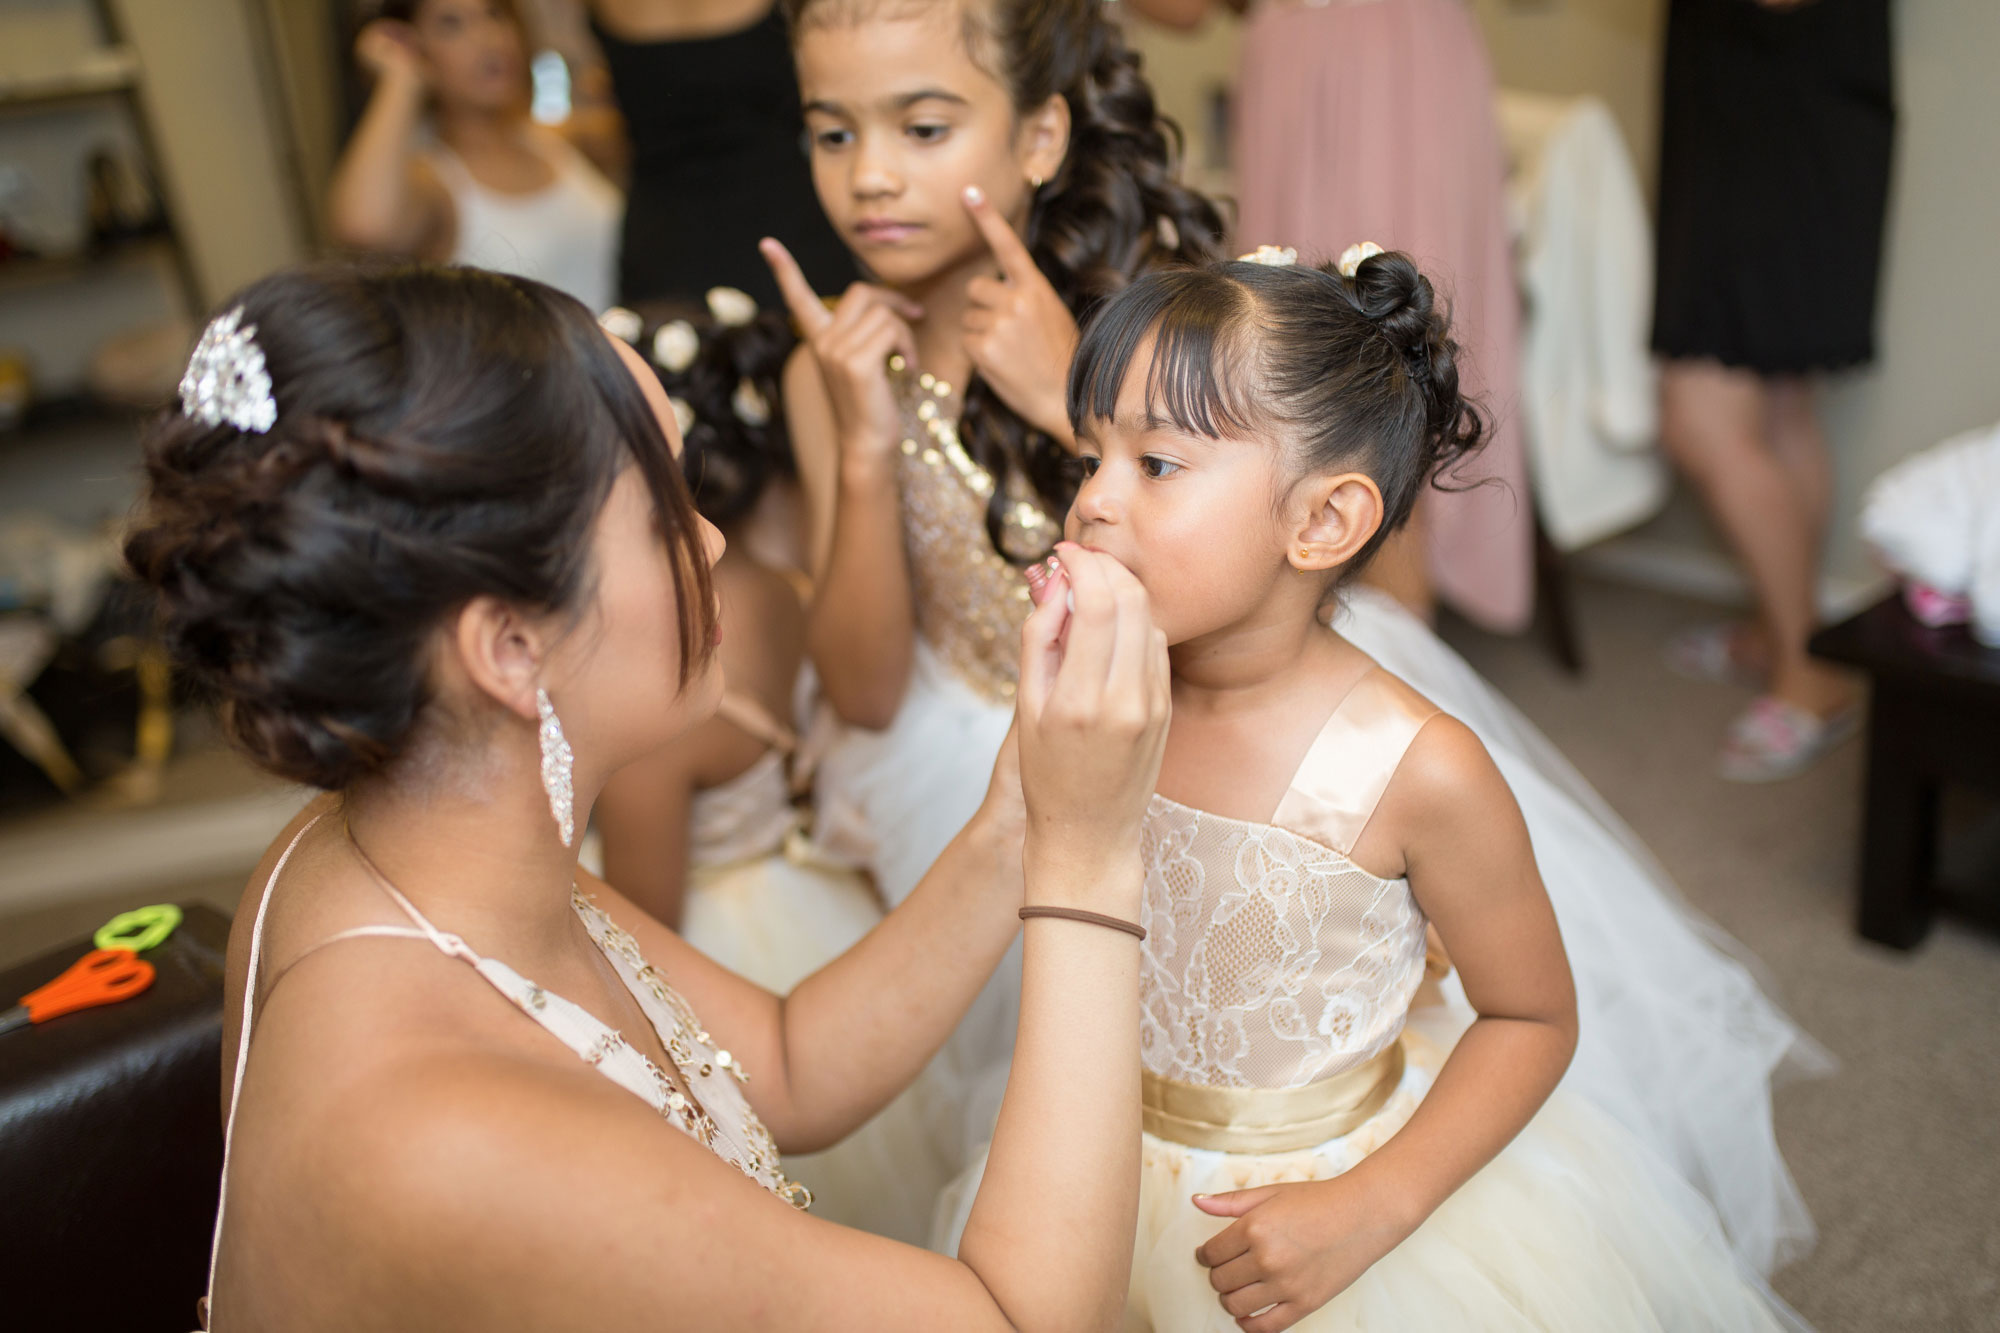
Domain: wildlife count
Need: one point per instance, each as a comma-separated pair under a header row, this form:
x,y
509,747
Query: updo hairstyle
x,y
1352,374
442,434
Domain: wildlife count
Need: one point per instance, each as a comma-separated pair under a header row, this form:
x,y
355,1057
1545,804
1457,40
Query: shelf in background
x,y
34,271
113,69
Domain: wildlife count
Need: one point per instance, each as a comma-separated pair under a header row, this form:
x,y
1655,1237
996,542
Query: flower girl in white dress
x,y
1317,1154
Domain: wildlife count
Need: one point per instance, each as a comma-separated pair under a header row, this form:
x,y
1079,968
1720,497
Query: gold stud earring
x,y
1035,182
1305,553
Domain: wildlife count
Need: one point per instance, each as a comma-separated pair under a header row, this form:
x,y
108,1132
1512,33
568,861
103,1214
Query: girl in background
x,y
998,168
447,165
704,834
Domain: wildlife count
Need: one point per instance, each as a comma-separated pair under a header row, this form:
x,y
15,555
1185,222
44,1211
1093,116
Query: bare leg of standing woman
x,y
1723,427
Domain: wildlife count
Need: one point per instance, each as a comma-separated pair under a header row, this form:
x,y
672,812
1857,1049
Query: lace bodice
x,y
1271,959
971,601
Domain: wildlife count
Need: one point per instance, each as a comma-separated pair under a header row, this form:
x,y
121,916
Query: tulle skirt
x,y
1678,1042
890,801
776,920
1573,1228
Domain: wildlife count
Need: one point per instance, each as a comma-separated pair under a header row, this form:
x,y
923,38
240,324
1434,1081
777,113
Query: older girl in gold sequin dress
x,y
1250,434
997,168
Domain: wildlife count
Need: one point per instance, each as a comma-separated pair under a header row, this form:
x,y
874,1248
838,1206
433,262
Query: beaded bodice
x,y
1271,959
971,600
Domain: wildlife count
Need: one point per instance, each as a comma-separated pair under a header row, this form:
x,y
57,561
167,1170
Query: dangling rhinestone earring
x,y
557,762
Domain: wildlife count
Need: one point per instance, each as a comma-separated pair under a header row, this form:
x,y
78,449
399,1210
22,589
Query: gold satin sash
x,y
1268,1120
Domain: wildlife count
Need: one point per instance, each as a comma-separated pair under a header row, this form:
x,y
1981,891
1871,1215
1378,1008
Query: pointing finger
x,y
807,310
1015,261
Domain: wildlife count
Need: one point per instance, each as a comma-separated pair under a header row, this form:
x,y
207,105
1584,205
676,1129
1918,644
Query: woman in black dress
x,y
711,104
1777,124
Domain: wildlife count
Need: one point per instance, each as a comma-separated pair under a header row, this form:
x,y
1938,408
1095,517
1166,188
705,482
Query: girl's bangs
x,y
1191,320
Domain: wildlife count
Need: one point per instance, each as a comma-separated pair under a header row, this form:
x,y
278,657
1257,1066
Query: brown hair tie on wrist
x,y
1088,918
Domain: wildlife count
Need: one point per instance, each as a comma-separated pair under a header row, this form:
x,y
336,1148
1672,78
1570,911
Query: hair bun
x,y
1402,303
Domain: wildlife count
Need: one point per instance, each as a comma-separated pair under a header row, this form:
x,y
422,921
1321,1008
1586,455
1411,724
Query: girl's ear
x,y
1343,512
1043,141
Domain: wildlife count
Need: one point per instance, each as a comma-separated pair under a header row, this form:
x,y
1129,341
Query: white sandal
x,y
1772,740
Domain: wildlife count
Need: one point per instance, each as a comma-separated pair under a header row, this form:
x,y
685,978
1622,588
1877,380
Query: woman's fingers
x,y
1086,665
1129,677
808,312
1041,654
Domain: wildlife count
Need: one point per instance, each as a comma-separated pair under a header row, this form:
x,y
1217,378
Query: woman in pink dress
x,y
1372,120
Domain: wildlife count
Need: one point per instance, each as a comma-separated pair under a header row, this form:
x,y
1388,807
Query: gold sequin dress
x,y
891,800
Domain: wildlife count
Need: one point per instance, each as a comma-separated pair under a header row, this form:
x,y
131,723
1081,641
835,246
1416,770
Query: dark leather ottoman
x,y
111,1145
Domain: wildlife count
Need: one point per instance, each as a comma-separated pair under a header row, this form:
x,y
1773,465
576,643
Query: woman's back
x,y
715,119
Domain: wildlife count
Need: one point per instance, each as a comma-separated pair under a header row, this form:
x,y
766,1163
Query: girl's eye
x,y
1156,468
831,139
1086,465
929,133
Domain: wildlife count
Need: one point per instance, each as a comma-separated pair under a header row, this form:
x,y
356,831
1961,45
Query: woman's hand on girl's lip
x,y
1092,716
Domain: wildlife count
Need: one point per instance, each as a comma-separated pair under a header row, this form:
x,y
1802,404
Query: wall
x,y
1939,370
1936,374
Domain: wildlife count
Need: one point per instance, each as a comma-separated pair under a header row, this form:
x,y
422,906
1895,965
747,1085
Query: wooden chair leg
x,y
1554,605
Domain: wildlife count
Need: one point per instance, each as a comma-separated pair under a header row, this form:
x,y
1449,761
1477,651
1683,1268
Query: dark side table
x,y
1934,719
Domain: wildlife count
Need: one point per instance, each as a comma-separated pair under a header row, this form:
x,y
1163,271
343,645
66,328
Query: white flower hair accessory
x,y
1351,257
683,415
749,405
1277,256
674,346
226,379
622,324
730,307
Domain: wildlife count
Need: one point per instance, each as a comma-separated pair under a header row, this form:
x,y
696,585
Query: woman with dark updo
x,y
422,535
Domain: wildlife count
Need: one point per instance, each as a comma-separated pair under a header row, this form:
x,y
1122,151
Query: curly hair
x,y
442,434
1353,373
1114,210
734,433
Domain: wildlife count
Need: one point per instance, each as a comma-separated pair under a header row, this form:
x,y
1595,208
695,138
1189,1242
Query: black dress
x,y
718,161
1776,130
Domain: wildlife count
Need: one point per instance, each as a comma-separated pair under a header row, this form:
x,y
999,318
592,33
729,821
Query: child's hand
x,y
1018,332
1293,1247
852,344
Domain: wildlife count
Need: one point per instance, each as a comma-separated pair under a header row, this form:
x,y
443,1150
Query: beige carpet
x,y
1899,1152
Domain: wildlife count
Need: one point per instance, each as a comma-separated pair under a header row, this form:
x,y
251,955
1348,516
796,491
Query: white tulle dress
x,y
1678,1041
764,904
1276,984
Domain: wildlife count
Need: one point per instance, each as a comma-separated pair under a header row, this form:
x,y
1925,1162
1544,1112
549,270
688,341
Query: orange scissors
x,y
102,976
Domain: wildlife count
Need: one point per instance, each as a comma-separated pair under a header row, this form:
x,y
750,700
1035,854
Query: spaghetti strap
x,y
243,1052
755,721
